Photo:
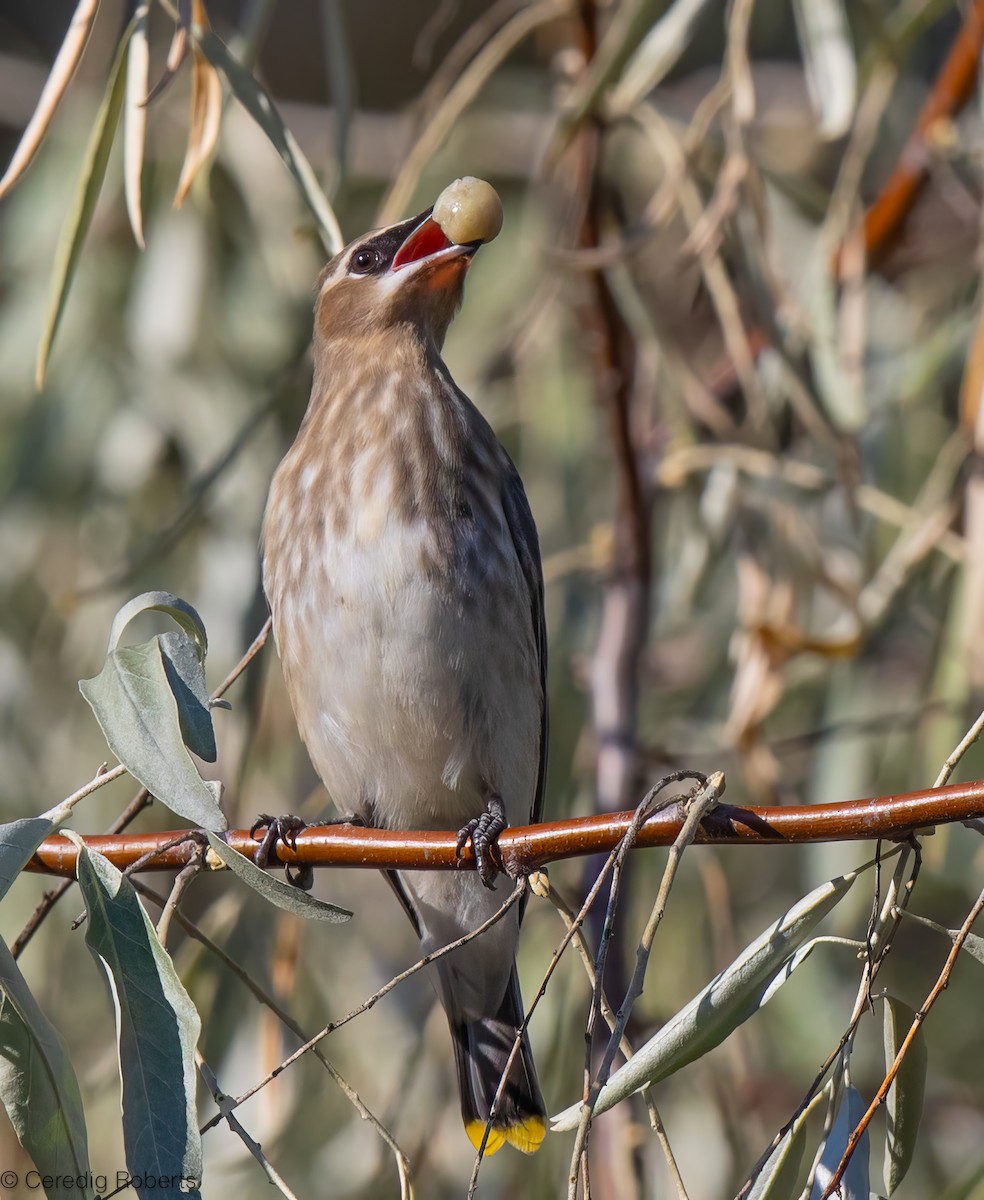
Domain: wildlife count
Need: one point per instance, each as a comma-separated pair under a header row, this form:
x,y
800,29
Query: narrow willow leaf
x,y
135,119
157,1029
779,1178
658,53
58,80
206,113
138,714
180,611
284,896
727,1001
79,218
828,56
254,98
854,1184
904,1103
39,1089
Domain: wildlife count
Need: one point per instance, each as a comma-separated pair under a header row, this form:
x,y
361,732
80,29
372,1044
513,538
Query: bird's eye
x,y
363,261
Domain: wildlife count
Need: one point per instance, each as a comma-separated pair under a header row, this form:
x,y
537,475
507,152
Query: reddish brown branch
x,y
526,848
952,90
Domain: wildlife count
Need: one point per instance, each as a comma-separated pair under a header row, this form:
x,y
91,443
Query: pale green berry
x,y
469,210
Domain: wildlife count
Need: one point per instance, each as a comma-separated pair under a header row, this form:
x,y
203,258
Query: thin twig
x,y
882,1093
699,806
541,886
372,1000
230,1118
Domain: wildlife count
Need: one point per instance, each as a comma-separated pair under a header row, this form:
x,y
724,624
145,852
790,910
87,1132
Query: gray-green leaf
x,y
254,98
727,1001
185,673
138,714
854,1184
284,896
180,611
157,1031
79,218
903,1105
18,841
38,1086
779,1178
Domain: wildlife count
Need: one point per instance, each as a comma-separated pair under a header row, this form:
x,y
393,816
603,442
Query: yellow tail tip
x,y
525,1135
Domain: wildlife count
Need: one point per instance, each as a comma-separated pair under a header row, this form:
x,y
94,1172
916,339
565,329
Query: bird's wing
x,y
527,545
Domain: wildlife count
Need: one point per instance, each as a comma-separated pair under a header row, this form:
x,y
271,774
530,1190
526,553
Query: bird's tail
x,y
481,1051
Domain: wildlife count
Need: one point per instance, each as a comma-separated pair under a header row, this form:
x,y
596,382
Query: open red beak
x,y
427,239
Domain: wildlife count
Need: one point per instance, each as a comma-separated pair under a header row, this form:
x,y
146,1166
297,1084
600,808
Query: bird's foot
x,y
484,832
282,830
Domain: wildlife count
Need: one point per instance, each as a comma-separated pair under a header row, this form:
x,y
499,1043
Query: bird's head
x,y
410,274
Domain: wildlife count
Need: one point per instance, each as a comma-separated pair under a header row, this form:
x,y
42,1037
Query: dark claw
x,y
282,829
484,832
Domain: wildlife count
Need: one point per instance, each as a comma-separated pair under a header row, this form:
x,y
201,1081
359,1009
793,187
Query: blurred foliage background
x,y
749,444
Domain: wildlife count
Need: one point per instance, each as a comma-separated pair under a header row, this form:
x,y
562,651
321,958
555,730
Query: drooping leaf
x,y
58,80
779,1178
727,1001
138,714
180,611
157,1030
657,54
135,119
151,702
206,112
854,1184
292,899
903,1105
255,99
38,1087
80,216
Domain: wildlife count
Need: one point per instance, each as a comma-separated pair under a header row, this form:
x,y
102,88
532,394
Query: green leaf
x,y
904,1103
284,896
79,218
38,1086
157,1030
137,712
180,611
254,98
185,673
18,841
854,1185
779,1178
657,54
973,943
727,1001
150,701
